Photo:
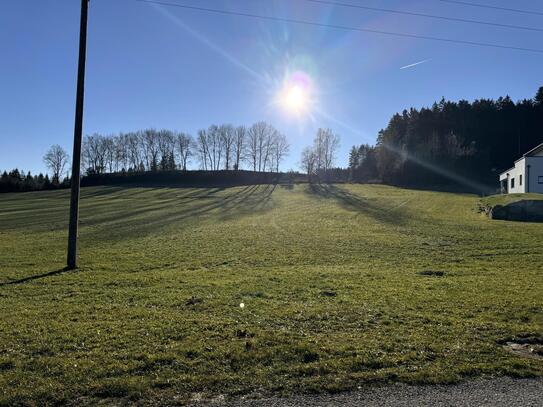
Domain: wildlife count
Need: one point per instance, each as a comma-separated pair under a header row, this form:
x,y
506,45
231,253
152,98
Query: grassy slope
x,y
505,199
329,278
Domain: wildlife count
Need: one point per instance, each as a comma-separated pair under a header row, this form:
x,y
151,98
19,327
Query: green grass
x,y
342,286
509,198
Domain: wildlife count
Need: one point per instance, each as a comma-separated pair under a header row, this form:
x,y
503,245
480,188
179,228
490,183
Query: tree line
x,y
55,159
451,142
17,181
142,156
259,147
462,142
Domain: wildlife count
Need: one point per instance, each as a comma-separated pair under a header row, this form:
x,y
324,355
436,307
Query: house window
x,y
512,183
520,180
540,180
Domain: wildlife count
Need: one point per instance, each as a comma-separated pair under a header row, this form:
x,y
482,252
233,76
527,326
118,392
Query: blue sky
x,y
166,67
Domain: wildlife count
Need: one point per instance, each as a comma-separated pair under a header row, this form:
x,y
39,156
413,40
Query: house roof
x,y
503,172
528,154
534,150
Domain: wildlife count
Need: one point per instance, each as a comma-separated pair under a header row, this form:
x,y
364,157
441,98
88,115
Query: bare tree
x,y
95,149
227,134
56,160
109,152
260,144
166,142
121,152
239,145
218,147
203,149
319,150
151,149
215,147
263,143
308,161
252,145
183,146
325,145
267,147
280,149
134,156
331,146
87,156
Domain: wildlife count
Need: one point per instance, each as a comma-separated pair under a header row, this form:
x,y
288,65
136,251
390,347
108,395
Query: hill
x,y
341,286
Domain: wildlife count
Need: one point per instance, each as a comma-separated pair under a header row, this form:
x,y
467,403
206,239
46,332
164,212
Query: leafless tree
x,y
56,160
134,151
280,149
215,147
95,149
87,156
240,137
109,152
308,161
252,145
151,148
166,143
259,145
183,146
121,151
218,147
227,134
267,148
325,146
203,149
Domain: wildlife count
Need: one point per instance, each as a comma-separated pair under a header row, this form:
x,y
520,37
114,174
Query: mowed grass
x,y
343,285
510,198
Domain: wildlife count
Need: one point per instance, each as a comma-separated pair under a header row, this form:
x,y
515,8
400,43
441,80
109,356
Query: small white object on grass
x,y
242,305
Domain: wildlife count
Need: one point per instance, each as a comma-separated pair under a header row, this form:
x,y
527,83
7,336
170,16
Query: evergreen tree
x,y
454,141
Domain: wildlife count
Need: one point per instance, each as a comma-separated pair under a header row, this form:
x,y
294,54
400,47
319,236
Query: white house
x,y
526,175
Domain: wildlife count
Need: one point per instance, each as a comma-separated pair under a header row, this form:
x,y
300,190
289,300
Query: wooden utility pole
x,y
78,133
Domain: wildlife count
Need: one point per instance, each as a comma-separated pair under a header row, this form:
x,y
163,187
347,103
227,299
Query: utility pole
x,y
78,133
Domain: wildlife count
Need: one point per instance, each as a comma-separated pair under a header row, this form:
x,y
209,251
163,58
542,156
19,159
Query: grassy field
x,y
343,285
509,198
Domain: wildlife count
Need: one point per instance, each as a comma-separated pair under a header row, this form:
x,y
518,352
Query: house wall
x,y
536,171
515,173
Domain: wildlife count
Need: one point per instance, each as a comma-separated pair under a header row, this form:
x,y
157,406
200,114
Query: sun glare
x,y
296,94
295,99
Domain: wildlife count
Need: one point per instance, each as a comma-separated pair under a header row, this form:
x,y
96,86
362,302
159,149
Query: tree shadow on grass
x,y
390,215
101,205
134,191
118,222
117,211
172,204
37,277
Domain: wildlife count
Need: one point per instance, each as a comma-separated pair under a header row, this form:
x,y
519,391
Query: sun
x,y
295,96
295,99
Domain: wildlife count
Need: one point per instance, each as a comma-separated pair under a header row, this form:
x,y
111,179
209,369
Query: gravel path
x,y
490,392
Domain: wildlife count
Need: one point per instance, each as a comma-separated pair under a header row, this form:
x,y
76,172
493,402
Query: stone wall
x,y
524,211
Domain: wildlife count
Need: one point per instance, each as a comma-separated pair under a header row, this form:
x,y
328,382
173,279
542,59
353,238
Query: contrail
x,y
415,64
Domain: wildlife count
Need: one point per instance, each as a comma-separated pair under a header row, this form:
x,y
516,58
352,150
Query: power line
x,y
410,13
514,10
342,27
